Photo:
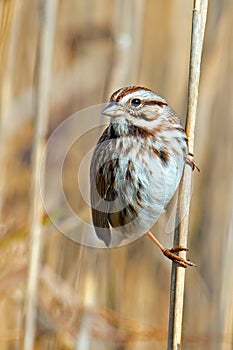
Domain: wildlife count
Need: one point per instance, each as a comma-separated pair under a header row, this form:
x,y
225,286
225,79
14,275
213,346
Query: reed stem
x,y
183,207
45,50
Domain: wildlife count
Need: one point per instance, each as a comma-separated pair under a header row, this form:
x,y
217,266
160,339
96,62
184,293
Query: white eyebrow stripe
x,y
144,95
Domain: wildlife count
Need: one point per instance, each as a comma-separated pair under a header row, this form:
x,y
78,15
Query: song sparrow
x,y
137,166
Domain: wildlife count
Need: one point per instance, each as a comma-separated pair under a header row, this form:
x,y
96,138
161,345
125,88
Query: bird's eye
x,y
135,102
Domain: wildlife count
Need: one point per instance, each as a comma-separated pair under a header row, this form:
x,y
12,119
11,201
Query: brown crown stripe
x,y
117,96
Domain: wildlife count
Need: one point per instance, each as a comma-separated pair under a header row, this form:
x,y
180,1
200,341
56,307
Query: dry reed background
x,y
118,299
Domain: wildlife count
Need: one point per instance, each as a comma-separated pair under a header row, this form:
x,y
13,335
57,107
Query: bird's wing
x,y
99,205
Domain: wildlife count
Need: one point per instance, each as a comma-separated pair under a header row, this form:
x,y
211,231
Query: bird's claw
x,y
172,255
189,160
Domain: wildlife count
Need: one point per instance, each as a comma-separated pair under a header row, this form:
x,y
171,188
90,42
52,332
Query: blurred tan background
x,y
116,299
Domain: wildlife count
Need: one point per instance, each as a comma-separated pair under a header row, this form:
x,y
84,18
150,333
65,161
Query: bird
x,y
136,167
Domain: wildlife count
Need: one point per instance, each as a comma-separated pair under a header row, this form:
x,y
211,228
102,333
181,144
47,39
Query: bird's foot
x,y
190,160
172,254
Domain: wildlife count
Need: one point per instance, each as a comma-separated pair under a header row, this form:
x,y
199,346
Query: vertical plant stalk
x,y
9,23
48,10
226,301
181,232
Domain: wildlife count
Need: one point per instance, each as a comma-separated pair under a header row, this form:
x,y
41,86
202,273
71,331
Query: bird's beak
x,y
113,109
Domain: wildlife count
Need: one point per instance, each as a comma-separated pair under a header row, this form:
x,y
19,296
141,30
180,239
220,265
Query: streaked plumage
x,y
137,164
